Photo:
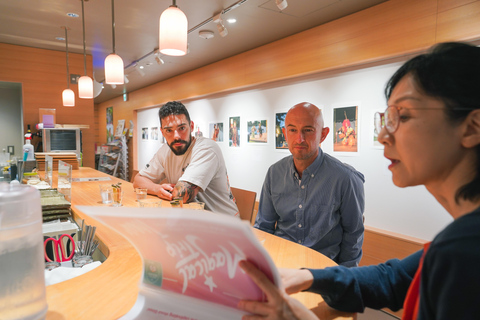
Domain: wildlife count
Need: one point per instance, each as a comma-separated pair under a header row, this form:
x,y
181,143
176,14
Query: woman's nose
x,y
384,137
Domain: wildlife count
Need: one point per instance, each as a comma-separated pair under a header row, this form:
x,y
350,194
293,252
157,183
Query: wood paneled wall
x,y
43,75
391,30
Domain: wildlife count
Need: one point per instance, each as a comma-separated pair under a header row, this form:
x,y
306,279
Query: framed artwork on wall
x,y
109,124
377,116
154,133
216,131
345,129
234,132
257,131
280,133
145,133
120,127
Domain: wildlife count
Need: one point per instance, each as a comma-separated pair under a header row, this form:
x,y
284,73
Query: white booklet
x,y
190,260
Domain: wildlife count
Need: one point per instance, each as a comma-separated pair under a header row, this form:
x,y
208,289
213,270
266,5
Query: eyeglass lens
x,y
391,119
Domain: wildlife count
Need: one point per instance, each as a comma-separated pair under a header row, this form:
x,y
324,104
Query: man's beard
x,y
181,150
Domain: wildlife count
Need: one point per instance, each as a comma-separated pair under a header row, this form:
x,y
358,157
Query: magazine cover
x,y
190,260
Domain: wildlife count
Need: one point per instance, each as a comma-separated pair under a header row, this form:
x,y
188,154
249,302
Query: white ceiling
x,y
36,23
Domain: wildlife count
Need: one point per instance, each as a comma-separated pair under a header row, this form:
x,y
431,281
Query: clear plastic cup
x,y
141,193
22,280
150,203
196,205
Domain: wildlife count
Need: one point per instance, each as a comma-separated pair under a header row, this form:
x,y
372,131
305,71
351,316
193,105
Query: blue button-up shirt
x,y
323,210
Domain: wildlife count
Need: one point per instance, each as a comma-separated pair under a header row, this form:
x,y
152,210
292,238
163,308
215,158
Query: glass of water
x,y
106,191
141,193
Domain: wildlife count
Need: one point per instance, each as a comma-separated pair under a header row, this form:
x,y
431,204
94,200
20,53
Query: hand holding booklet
x,y
190,260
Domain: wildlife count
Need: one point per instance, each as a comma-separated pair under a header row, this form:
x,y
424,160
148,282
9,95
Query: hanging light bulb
x,y
113,63
173,31
68,96
85,83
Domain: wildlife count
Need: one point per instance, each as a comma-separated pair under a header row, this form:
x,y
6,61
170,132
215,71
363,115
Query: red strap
x,y
412,300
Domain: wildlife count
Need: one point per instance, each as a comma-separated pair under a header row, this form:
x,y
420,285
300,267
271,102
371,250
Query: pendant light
x,y
113,63
85,83
68,96
173,31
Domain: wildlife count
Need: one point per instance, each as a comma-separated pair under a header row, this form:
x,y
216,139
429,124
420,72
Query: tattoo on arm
x,y
186,190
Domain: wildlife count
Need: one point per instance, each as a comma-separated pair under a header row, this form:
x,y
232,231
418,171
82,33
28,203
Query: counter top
x,y
110,290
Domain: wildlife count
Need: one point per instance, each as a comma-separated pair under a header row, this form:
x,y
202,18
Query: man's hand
x,y
296,280
188,191
164,191
279,306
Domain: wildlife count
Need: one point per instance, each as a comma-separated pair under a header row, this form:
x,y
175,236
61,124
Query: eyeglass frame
x,y
380,120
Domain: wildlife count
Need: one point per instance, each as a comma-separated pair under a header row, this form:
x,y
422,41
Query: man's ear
x,y
471,136
325,132
191,125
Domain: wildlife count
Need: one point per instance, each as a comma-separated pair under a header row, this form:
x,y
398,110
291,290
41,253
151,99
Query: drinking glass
x,y
106,191
117,197
150,203
141,193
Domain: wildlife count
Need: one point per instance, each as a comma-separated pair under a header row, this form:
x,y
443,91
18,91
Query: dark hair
x,y
173,108
449,72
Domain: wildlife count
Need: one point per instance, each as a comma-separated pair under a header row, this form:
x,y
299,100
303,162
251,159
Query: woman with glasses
x,y
431,135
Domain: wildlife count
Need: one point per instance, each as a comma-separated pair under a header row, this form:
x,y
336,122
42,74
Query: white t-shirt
x,y
202,165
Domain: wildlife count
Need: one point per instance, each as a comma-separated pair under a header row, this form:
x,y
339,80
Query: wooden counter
x,y
110,290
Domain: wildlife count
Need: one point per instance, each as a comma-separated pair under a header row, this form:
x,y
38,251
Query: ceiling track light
x,y
220,26
281,4
173,31
85,83
68,96
114,71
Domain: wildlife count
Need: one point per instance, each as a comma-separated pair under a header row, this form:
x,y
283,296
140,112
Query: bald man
x,y
310,197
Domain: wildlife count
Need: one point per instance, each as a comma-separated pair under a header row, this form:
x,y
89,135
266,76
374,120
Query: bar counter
x,y
110,290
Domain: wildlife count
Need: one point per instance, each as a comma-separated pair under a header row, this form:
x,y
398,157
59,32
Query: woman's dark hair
x,y
449,72
173,108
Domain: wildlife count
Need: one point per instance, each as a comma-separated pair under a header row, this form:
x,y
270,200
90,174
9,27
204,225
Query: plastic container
x,y
22,279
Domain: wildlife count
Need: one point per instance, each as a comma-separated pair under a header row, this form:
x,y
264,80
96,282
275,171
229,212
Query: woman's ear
x,y
471,137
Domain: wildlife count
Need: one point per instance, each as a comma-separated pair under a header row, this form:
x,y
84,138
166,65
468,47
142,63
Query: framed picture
x,y
280,133
377,116
345,131
234,132
154,133
257,131
216,131
109,117
145,133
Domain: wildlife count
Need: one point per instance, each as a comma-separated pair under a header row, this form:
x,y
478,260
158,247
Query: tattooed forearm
x,y
186,190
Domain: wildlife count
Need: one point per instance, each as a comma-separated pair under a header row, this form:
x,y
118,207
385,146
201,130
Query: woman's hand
x,y
279,305
296,280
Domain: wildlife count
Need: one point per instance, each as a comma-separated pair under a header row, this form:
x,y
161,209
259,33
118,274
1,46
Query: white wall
x,y
411,211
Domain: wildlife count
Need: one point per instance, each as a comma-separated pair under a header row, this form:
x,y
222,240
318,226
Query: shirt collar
x,y
311,168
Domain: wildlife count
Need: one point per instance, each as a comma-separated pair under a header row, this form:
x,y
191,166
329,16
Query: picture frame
x,y
346,129
280,132
257,131
234,132
216,131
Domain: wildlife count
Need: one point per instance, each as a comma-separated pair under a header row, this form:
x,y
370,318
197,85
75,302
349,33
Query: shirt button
x,y
300,225
313,175
303,187
300,206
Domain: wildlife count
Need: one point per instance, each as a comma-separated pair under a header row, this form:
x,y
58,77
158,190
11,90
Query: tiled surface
x,y
371,314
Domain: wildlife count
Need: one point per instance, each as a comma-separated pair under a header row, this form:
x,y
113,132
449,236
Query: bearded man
x,y
186,166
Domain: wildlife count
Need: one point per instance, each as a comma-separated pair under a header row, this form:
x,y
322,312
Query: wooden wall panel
x,y
444,5
43,76
459,23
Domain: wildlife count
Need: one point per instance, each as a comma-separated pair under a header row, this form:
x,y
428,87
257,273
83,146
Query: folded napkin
x,y
66,273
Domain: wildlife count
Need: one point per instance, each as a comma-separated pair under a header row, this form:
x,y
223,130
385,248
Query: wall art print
x,y
345,122
154,133
257,131
109,124
145,133
234,132
216,131
280,133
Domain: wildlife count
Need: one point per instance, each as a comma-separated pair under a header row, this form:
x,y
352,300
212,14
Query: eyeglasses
x,y
390,119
